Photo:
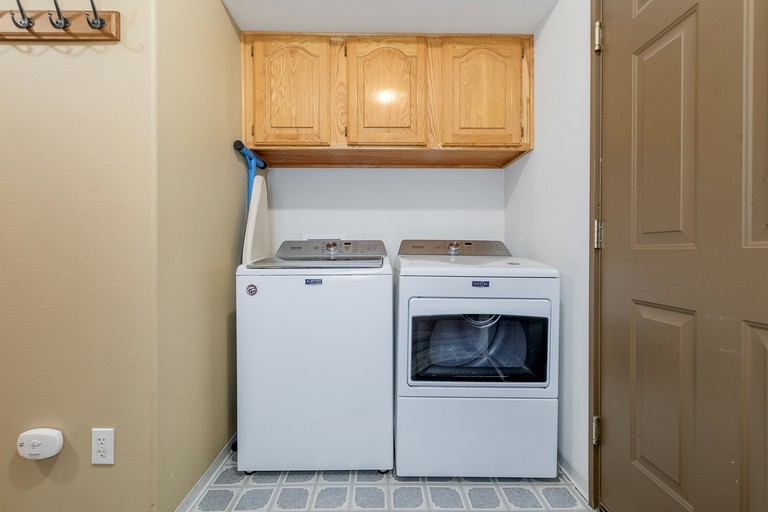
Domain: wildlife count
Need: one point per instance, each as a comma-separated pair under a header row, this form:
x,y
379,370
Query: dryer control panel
x,y
453,248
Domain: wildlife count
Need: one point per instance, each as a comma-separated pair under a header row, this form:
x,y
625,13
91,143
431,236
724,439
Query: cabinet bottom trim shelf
x,y
396,158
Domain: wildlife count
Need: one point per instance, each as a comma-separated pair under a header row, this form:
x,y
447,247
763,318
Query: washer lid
x,y
472,266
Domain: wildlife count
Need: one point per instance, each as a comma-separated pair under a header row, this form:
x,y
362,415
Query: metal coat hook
x,y
60,22
97,23
25,21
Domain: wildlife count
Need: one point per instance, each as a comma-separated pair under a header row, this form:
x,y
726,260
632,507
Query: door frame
x,y
595,267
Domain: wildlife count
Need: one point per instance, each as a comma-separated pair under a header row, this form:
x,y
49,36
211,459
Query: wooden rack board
x,y
42,30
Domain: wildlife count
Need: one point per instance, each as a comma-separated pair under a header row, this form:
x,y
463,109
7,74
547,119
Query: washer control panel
x,y
311,249
453,248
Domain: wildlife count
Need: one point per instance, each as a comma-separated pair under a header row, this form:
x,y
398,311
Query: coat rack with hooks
x,y
57,25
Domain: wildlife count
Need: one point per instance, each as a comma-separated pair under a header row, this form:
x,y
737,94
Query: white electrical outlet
x,y
102,446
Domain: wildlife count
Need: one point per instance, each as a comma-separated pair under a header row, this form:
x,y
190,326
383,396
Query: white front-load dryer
x,y
476,361
315,357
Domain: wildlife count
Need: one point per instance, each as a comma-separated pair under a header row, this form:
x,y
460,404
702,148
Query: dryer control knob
x,y
454,247
331,246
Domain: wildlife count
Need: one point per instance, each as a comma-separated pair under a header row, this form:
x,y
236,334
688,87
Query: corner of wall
x,y
547,211
201,206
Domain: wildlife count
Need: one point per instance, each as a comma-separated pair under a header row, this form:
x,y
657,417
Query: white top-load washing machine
x,y
476,361
315,357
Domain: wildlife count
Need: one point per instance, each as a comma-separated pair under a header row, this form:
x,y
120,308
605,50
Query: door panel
x,y
756,126
485,91
661,367
754,417
684,306
290,90
664,141
388,90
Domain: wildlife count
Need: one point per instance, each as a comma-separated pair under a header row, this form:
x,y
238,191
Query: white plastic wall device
x,y
40,443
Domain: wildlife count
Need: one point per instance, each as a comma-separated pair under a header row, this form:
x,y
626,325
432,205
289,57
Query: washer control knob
x,y
331,246
454,247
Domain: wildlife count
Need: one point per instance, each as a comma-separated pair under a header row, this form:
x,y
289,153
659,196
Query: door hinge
x,y
597,234
596,430
253,129
345,50
251,50
523,48
522,132
598,36
345,131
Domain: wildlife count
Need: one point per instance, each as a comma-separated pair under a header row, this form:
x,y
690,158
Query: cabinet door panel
x,y
291,90
387,90
485,91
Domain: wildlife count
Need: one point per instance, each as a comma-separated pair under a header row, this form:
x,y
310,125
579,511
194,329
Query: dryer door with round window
x,y
479,342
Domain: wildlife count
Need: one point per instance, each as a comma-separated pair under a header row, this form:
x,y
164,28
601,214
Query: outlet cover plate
x,y
102,446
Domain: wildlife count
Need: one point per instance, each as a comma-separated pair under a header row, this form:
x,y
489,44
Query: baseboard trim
x,y
207,477
576,479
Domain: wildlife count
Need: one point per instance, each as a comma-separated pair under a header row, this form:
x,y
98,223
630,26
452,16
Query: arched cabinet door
x,y
290,90
387,98
486,91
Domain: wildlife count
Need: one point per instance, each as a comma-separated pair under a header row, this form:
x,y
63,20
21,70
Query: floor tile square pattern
x,y
370,491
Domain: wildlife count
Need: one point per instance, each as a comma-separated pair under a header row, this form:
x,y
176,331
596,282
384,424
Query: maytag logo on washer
x,y
481,284
313,281
251,289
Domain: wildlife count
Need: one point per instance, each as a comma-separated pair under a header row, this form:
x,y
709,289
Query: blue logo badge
x,y
313,281
481,284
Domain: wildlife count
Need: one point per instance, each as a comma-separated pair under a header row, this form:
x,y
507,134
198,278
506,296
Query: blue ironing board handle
x,y
252,161
250,155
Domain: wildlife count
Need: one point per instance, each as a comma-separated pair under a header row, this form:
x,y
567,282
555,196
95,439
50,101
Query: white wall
x,y
387,204
547,208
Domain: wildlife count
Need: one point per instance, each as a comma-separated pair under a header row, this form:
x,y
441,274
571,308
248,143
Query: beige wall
x,y
201,211
118,235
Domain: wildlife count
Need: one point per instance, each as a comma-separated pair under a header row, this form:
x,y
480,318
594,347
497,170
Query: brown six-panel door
x,y
684,283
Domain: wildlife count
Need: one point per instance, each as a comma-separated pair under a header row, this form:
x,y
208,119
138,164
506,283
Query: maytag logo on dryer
x,y
481,284
313,282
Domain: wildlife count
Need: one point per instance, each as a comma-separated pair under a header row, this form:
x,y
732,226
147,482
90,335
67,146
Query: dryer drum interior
x,y
479,348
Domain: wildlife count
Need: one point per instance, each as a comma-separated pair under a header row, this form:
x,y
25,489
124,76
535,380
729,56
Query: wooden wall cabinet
x,y
387,95
289,84
335,100
485,94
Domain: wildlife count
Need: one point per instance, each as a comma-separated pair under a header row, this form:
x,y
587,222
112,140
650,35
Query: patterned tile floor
x,y
370,491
